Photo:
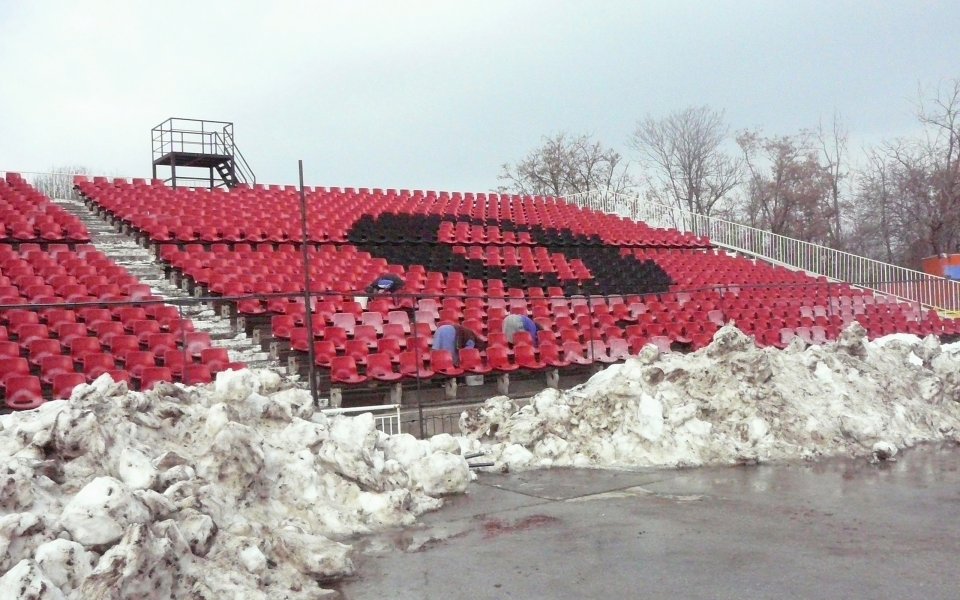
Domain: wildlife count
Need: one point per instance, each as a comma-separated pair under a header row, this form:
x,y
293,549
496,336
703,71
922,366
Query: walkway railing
x,y
908,284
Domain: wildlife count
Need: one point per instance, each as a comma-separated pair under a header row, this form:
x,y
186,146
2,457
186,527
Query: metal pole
x,y
187,358
308,313
416,358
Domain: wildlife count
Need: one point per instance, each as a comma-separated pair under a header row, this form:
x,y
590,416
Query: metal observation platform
x,y
185,146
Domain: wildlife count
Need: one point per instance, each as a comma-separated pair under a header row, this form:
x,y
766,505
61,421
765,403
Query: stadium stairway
x,y
124,250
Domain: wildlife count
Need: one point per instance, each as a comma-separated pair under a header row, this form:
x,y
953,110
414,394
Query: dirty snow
x,y
733,402
236,489
241,489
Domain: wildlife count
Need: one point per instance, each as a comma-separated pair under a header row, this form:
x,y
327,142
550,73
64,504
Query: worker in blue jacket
x,y
514,323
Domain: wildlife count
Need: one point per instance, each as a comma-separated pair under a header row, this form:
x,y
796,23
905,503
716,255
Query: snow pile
x,y
732,402
226,491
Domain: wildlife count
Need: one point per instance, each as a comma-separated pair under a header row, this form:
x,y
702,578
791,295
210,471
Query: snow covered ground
x,y
735,403
241,489
233,490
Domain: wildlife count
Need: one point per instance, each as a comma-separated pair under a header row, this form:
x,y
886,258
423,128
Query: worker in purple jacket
x,y
515,323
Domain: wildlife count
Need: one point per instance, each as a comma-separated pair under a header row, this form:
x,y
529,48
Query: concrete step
x,y
124,250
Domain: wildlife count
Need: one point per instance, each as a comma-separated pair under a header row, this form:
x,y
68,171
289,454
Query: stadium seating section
x,y
29,216
63,319
600,287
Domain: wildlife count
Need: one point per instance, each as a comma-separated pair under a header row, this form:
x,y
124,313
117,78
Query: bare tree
x,y
58,183
565,165
913,185
876,231
788,190
684,153
833,150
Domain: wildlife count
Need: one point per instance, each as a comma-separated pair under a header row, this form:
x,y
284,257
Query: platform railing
x,y
192,135
884,278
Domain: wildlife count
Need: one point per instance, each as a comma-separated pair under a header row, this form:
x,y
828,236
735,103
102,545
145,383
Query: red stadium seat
x,y
215,358
597,352
618,349
196,342
379,367
526,358
573,352
411,367
323,352
119,375
159,343
68,331
498,358
151,376
357,350
195,374
121,345
9,349
135,362
366,334
441,362
30,332
105,330
337,335
174,360
91,316
96,364
390,346
471,361
550,355
13,366
80,346
281,325
142,328
343,369
22,392
17,317
63,384
40,349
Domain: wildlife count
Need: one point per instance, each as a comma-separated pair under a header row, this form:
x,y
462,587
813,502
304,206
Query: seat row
x,y
82,359
254,215
27,215
353,367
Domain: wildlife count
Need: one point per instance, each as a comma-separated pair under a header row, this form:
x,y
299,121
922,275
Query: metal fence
x,y
884,278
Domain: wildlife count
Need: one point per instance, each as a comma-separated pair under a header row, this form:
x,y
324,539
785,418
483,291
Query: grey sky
x,y
437,95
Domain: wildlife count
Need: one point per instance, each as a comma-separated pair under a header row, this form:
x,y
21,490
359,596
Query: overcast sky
x,y
437,95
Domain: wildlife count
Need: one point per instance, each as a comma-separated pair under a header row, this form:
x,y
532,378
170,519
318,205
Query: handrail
x,y
884,278
208,138
240,162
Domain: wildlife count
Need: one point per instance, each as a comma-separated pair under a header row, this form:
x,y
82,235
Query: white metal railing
x,y
884,278
386,416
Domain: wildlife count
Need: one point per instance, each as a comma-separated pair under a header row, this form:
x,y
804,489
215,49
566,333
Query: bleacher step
x,y
126,252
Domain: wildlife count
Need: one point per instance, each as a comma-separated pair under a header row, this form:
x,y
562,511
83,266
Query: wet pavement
x,y
834,529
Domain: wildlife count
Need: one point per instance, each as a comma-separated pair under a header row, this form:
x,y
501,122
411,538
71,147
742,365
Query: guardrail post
x,y
396,395
553,378
450,388
336,397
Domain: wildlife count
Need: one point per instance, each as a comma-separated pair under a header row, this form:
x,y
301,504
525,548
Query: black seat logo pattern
x,y
410,239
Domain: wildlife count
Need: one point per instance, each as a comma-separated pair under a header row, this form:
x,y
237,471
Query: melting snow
x,y
242,489
237,489
734,403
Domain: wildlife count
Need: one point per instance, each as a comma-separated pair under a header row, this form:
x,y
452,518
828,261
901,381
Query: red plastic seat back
x,y
23,392
151,376
63,384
